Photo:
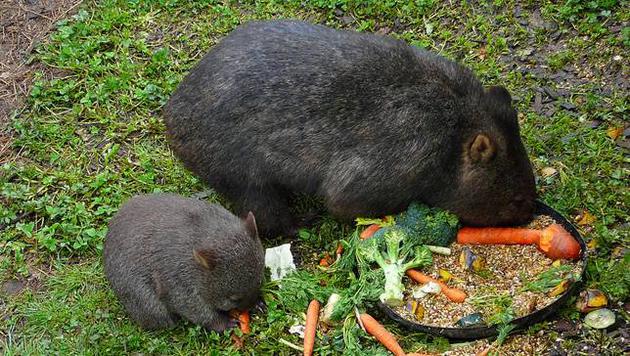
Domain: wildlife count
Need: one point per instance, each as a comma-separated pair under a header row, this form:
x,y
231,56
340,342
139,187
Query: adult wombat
x,y
168,257
367,122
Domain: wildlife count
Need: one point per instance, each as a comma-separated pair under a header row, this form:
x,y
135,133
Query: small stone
x,y
474,319
617,58
13,287
567,106
600,318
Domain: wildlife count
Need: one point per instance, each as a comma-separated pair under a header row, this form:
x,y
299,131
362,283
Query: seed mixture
x,y
495,290
515,345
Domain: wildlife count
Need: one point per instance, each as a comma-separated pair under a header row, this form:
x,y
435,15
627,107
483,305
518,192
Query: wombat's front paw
x,y
222,323
260,307
232,324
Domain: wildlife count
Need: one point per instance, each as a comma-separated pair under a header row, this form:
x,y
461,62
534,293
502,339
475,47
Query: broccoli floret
x,y
431,226
394,253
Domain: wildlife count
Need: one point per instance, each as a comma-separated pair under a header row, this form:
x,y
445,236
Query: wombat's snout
x,y
517,211
523,209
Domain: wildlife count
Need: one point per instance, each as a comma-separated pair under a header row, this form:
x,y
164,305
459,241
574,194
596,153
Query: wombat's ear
x,y
500,93
250,225
482,149
206,258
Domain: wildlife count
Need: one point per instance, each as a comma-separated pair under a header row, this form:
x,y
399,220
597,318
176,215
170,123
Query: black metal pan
x,y
472,333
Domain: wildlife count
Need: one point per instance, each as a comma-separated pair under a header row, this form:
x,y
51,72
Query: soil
x,y
23,25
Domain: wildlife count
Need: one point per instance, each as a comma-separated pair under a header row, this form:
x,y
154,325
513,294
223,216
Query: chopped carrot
x,y
339,249
381,334
554,241
326,260
369,231
454,294
243,321
312,316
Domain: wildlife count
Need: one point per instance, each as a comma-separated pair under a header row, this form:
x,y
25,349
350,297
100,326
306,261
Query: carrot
x,y
381,334
554,241
453,294
369,231
326,261
312,316
339,249
243,322
418,354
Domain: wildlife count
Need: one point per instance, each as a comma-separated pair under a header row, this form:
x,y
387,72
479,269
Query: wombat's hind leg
x,y
209,318
150,312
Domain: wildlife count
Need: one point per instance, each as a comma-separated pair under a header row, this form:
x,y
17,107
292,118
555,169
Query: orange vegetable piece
x,y
554,241
381,334
312,317
369,231
243,322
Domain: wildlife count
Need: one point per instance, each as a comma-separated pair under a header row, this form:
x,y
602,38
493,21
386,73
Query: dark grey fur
x,y
367,122
168,257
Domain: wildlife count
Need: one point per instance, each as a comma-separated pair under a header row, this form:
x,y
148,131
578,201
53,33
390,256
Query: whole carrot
x,y
453,294
381,334
554,241
312,316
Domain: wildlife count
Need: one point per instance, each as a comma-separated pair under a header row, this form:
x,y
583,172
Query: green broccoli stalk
x,y
394,253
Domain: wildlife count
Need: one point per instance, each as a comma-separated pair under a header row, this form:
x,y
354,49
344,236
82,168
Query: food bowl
x,y
479,332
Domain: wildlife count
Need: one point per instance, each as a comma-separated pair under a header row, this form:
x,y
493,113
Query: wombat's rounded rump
x,y
168,257
368,122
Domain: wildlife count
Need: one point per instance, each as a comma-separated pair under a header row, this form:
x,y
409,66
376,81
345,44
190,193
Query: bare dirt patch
x,y
23,25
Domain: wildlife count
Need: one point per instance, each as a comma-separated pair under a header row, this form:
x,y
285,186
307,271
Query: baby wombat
x,y
168,257
365,121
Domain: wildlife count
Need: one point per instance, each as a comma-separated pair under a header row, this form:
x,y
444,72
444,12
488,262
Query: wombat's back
x,y
283,95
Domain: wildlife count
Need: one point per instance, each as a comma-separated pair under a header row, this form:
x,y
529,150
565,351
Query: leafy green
x,y
432,226
614,279
298,288
548,279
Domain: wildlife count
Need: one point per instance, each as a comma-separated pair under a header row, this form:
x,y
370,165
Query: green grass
x,y
93,137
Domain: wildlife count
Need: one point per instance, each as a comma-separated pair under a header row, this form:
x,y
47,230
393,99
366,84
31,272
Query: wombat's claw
x,y
232,324
260,307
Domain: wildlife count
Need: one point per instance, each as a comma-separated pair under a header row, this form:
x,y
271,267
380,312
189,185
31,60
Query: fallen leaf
x,y
237,341
482,53
592,244
585,218
548,172
614,132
